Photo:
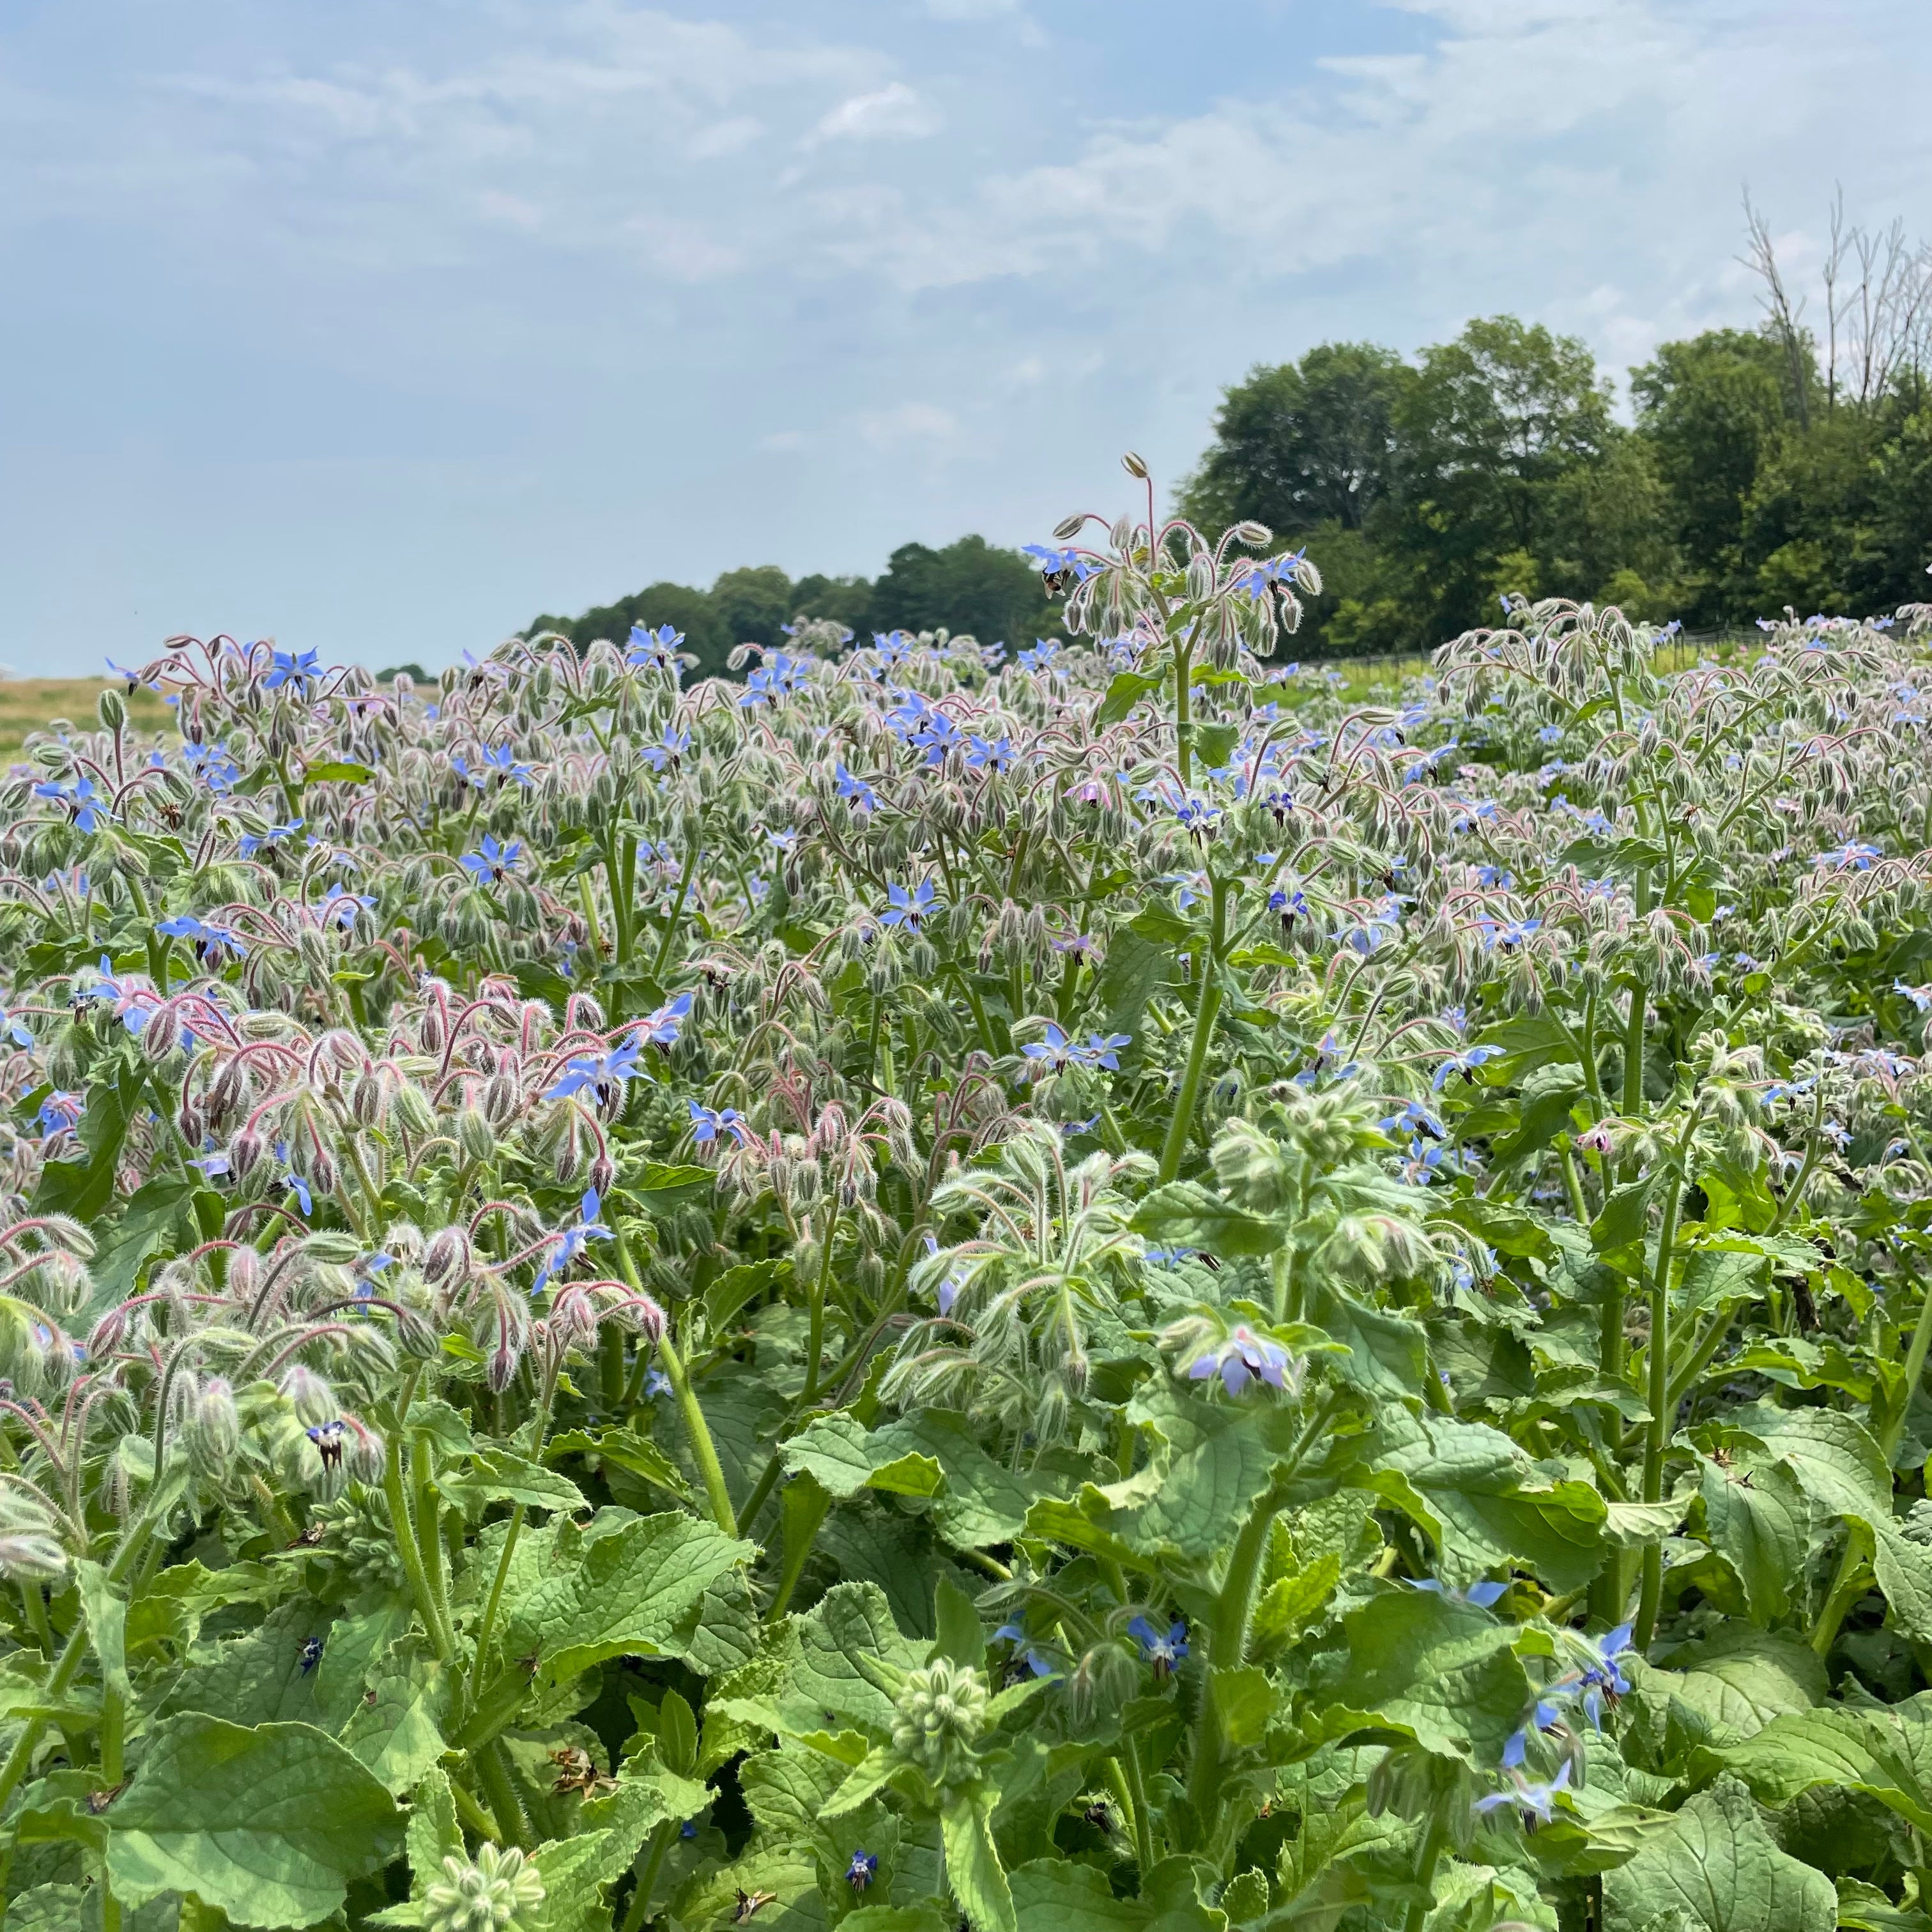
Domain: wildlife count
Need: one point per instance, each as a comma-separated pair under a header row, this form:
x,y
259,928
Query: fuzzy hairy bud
x,y
213,1430
312,1398
496,1894
448,1260
475,1136
940,1711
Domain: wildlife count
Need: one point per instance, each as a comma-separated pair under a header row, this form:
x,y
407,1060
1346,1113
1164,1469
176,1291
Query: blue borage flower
x,y
672,746
863,1868
1243,1357
253,842
604,1072
1054,562
214,945
292,1182
655,650
1056,1052
499,762
300,669
85,806
664,1027
862,796
708,1123
1026,1652
1162,1648
60,1113
1536,1803
493,862
1466,1063
567,1243
908,907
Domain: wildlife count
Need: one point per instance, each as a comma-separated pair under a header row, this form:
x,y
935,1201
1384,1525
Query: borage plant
x,y
1107,1290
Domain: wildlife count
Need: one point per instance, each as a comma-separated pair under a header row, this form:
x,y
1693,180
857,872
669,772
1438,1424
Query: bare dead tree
x,y
1877,288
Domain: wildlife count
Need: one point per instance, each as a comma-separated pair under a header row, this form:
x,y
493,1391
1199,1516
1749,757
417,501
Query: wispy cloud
x,y
648,289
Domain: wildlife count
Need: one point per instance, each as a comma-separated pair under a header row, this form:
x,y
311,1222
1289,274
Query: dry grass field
x,y
31,703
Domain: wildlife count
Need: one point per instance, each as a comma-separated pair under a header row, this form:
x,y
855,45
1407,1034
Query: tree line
x,y
970,585
1785,464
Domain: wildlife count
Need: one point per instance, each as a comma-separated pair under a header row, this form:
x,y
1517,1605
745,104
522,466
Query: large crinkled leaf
x,y
1441,1670
1185,1214
267,1676
1718,1867
711,1899
1388,1352
397,1728
1836,1462
826,1690
976,1501
1478,1495
1723,1691
355,1641
627,1593
497,1474
1212,1459
897,1552
844,1459
1794,1752
1755,1517
268,1824
171,1606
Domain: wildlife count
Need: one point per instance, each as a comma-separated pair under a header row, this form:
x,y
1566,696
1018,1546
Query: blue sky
x,y
380,328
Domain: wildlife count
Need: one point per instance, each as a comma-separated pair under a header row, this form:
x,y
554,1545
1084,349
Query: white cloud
x,y
909,423
891,112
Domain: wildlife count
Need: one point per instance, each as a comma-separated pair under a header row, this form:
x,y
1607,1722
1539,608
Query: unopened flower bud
x,y
364,1451
214,1429
497,1892
475,1136
313,1400
245,1153
448,1260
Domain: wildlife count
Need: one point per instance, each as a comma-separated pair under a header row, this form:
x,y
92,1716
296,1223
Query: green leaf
x,y
1442,1671
837,1452
1185,1214
1388,1352
1755,1518
1726,1688
972,1867
624,1449
677,1735
1125,689
1717,1866
268,1825
397,1728
848,1645
1245,1701
500,1475
433,1833
106,1608
1477,1494
147,1222
627,1593
1620,1223
337,771
259,1678
961,1636
1213,744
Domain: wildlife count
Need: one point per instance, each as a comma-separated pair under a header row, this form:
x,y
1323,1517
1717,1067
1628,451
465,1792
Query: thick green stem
x,y
1206,1010
1129,1760
493,1773
1658,1430
407,1548
60,1679
486,1628
647,1879
1845,1587
1432,1842
695,1427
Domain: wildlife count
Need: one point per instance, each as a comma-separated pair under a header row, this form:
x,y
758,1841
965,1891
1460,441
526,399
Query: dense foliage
x,y
1493,466
1091,1291
970,586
